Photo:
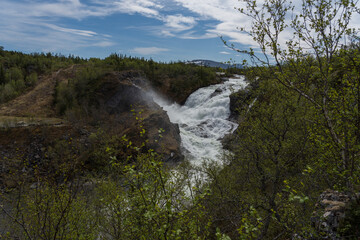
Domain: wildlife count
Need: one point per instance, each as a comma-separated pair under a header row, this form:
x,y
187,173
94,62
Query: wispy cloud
x,y
144,7
36,25
84,33
39,36
223,52
229,18
44,18
223,12
179,22
195,35
149,50
45,24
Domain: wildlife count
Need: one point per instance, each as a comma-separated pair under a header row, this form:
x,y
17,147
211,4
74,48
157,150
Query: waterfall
x,y
203,120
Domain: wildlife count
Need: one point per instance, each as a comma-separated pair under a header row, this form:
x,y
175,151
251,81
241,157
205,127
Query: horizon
x,y
102,58
176,30
162,30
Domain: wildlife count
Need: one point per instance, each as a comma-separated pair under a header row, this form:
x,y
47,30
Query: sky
x,y
164,30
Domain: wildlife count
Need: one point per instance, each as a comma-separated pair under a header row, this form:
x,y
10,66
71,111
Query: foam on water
x,y
203,120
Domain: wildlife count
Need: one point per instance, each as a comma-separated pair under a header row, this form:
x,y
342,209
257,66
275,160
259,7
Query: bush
x,y
350,227
31,79
78,92
7,92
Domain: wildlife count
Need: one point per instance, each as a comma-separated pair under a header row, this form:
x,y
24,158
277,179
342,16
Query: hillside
x,y
87,141
72,99
84,120
38,101
77,101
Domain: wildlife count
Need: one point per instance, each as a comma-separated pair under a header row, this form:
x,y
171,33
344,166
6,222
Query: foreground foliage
x,y
299,133
299,122
140,200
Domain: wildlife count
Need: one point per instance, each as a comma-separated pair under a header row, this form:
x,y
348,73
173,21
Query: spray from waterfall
x,y
203,120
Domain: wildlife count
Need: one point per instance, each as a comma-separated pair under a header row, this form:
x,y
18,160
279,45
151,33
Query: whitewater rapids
x,y
203,120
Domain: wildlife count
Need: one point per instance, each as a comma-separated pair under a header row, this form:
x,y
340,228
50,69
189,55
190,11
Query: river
x,y
203,120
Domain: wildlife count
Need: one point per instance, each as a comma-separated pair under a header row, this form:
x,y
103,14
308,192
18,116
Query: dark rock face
x,y
241,101
122,94
164,136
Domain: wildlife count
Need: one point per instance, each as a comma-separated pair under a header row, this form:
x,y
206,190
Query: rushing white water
x,y
203,120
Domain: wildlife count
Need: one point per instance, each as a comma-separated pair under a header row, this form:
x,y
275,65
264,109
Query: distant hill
x,y
209,63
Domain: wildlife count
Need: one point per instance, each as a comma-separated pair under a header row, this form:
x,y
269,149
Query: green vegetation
x,y
272,152
138,198
78,92
299,124
299,134
177,80
19,71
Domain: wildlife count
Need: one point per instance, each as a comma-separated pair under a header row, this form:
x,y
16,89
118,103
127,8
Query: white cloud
x,y
224,13
165,32
43,18
149,50
77,9
33,26
144,7
179,22
40,21
194,35
229,19
70,9
38,36
103,44
223,52
84,33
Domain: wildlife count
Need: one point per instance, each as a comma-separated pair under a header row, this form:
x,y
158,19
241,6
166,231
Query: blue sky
x,y
165,30
162,29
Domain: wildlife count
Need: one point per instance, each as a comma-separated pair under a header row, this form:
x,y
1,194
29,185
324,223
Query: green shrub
x,y
79,91
350,227
31,79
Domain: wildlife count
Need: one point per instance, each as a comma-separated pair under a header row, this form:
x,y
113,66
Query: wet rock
x,y
216,92
241,101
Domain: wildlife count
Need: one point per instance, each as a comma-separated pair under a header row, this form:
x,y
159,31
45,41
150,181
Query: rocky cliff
x,y
122,108
123,95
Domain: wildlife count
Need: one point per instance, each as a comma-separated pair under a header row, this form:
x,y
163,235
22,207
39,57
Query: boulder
x,y
331,211
216,92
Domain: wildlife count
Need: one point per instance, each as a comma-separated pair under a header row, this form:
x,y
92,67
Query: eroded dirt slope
x,y
39,100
